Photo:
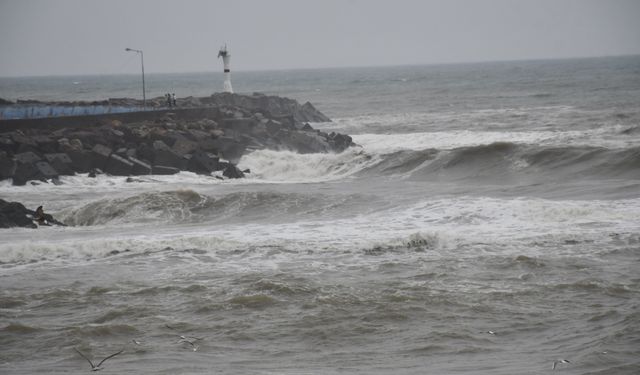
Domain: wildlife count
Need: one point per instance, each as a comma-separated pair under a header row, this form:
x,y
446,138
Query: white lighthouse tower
x,y
226,59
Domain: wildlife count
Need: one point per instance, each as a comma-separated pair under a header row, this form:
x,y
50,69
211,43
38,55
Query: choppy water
x,y
497,197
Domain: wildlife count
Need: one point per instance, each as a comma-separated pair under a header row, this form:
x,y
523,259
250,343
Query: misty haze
x,y
320,187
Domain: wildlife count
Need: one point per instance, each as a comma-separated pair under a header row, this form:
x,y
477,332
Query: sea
x,y
486,222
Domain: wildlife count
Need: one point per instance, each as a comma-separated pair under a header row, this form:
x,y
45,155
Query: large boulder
x,y
165,156
15,214
61,162
81,160
270,106
306,142
230,148
23,143
7,145
164,170
203,162
231,171
7,166
30,166
139,167
118,166
100,154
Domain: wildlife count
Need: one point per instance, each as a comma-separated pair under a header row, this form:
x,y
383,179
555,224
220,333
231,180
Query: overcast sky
x,y
45,37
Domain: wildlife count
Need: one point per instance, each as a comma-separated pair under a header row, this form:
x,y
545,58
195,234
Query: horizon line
x,y
328,67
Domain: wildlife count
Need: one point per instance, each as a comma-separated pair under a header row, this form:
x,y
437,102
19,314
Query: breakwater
x,y
202,135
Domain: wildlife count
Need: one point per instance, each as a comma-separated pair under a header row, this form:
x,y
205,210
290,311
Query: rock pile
x,y
191,139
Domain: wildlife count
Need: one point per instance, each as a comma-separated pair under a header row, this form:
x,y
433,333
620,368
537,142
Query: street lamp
x,y
144,95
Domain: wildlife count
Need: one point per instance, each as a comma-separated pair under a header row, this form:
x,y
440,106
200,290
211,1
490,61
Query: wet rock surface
x,y
15,214
202,135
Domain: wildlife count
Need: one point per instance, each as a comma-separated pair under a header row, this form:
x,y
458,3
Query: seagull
x,y
94,367
491,332
555,363
191,337
190,340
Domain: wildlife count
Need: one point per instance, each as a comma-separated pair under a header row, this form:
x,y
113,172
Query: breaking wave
x,y
501,159
188,206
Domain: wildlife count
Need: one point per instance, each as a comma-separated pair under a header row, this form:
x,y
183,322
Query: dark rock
x,y
230,148
287,121
45,144
40,170
118,166
26,169
86,138
183,146
27,158
7,145
239,125
165,156
312,114
7,166
164,170
95,172
14,214
307,128
24,144
100,155
46,171
61,163
139,167
273,127
145,153
270,106
306,143
203,162
196,135
192,139
341,141
81,160
231,171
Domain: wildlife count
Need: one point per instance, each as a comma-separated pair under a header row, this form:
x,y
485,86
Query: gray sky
x,y
43,37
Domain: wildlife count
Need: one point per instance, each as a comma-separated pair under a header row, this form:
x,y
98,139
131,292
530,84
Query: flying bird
x,y
557,362
94,367
190,340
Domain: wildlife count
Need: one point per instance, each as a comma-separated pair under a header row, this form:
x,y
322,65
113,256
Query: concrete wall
x,y
90,120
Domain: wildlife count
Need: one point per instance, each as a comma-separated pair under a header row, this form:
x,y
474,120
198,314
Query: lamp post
x,y
144,95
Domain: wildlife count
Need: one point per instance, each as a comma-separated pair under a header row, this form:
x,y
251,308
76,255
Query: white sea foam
x,y
285,166
386,143
461,225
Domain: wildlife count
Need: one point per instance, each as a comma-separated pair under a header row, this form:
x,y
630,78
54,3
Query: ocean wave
x,y
285,166
188,206
502,159
100,330
171,206
417,242
612,136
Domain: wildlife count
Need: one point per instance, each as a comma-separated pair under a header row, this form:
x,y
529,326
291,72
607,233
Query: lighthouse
x,y
226,58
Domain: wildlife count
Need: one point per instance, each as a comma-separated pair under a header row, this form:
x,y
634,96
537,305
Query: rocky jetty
x,y
201,135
